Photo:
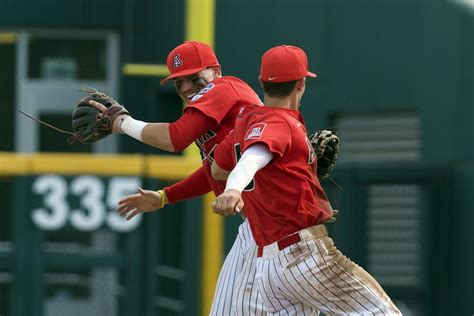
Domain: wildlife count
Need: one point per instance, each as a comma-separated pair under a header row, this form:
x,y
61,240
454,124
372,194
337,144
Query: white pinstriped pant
x,y
313,273
236,293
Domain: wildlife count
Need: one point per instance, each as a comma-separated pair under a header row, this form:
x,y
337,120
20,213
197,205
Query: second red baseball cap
x,y
189,58
284,63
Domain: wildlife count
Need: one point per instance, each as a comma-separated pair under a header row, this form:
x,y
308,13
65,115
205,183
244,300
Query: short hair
x,y
278,89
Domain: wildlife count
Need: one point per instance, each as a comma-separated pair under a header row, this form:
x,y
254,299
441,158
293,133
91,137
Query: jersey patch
x,y
202,92
255,131
177,61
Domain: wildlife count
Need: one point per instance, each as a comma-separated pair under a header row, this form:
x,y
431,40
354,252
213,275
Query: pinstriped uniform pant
x,y
313,273
235,292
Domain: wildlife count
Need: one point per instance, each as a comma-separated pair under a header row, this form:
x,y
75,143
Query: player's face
x,y
188,86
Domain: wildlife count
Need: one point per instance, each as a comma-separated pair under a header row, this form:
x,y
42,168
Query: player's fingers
x,y
141,191
125,209
215,206
239,206
121,207
99,106
129,198
133,214
229,208
125,201
221,206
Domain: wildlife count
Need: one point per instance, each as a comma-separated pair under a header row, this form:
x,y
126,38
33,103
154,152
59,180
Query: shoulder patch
x,y
202,92
255,131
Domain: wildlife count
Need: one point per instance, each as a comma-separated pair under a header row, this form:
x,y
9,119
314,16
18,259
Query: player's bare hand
x,y
141,202
118,120
228,203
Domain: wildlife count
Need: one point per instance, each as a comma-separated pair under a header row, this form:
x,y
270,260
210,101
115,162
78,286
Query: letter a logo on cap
x,y
177,61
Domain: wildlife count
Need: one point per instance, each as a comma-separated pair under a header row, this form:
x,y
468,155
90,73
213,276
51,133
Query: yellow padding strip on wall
x,y
145,70
153,166
7,38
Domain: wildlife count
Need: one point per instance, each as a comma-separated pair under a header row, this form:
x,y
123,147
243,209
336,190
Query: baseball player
x,y
212,104
298,266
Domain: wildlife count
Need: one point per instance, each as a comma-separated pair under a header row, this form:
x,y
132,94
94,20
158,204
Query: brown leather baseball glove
x,y
94,116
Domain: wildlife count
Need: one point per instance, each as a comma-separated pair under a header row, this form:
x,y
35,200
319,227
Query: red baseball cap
x,y
284,63
189,58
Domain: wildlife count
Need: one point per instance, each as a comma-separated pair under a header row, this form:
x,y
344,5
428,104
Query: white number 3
x,y
93,210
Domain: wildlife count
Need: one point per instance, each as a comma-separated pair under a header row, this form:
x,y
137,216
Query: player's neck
x,y
284,103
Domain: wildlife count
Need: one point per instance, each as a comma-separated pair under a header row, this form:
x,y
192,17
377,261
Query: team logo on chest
x,y
176,61
255,131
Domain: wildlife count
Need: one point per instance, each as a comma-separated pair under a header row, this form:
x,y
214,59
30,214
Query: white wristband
x,y
132,127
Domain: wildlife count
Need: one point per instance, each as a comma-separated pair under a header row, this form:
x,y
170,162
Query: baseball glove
x,y
326,145
94,116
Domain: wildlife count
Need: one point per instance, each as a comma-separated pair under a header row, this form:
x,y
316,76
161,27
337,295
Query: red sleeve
x,y
215,100
274,133
224,154
193,186
192,124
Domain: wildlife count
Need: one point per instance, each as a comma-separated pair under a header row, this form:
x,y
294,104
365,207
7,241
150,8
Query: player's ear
x,y
300,85
260,81
217,71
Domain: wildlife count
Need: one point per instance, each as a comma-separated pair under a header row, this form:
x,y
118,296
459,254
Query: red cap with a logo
x,y
189,58
284,63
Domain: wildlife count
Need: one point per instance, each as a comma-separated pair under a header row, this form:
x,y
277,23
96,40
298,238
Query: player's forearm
x,y
193,186
158,135
153,134
174,136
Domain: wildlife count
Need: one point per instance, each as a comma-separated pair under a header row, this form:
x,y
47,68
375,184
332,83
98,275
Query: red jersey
x,y
285,196
220,101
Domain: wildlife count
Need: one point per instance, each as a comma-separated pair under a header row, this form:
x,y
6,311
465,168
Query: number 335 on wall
x,y
96,204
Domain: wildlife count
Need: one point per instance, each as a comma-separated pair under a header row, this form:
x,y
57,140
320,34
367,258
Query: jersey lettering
x,y
202,140
210,155
238,155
